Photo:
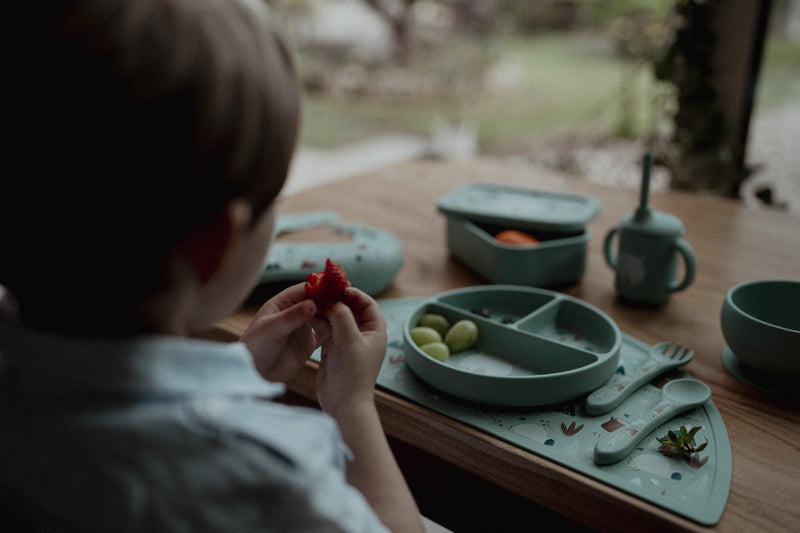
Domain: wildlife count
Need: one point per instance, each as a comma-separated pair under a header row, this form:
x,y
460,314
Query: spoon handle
x,y
620,442
618,388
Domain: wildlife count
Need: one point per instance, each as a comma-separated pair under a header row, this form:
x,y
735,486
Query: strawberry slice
x,y
328,285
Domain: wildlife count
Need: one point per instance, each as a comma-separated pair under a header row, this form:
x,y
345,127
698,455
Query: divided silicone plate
x,y
534,347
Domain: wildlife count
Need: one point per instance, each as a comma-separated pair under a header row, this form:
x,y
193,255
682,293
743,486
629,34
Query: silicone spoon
x,y
661,357
676,397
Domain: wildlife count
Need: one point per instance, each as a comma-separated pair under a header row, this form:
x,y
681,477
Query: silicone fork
x,y
661,357
676,397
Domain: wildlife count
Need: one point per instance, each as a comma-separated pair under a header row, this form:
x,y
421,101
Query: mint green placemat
x,y
566,435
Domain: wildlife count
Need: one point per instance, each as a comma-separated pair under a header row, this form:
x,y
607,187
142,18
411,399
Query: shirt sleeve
x,y
288,464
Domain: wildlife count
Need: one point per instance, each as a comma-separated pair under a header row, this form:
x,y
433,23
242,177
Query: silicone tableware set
x,y
535,347
539,347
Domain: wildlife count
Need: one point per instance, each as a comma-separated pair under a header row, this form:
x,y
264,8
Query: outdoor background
x,y
565,84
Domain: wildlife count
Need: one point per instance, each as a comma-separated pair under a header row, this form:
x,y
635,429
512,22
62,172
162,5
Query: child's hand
x,y
353,348
280,337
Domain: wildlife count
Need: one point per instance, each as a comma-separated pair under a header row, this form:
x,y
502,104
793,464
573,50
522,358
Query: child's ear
x,y
207,247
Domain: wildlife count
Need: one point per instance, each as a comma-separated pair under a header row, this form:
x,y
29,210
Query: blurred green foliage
x,y
573,68
564,83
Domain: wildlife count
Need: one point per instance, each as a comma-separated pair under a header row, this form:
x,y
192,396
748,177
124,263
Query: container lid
x,y
521,208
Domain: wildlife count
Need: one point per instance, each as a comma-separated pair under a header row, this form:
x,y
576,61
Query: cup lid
x,y
647,221
519,207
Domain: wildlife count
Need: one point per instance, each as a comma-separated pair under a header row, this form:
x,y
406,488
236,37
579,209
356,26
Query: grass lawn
x,y
564,85
570,85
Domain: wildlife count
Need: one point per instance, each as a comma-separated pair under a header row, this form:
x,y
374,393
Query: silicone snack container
x,y
476,212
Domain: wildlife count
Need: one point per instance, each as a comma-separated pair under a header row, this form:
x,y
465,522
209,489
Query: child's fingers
x,y
283,323
295,316
365,310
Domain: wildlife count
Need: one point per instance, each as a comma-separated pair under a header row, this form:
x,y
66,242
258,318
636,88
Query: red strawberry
x,y
328,285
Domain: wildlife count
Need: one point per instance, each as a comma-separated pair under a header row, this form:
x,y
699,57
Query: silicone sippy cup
x,y
650,244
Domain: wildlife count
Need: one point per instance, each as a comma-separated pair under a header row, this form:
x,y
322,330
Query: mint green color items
x,y
477,212
534,346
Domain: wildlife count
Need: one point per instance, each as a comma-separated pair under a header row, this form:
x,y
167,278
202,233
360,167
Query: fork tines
x,y
677,351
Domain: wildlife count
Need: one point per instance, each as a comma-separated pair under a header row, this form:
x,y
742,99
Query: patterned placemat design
x,y
566,434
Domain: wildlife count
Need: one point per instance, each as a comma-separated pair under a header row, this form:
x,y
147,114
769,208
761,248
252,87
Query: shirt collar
x,y
151,365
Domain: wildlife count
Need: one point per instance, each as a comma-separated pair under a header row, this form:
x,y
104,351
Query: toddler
x,y
152,138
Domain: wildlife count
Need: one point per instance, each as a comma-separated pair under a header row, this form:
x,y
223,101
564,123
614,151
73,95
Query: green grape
x,y
422,335
463,335
437,350
435,321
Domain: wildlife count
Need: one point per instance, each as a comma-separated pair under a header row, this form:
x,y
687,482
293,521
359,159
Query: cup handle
x,y
607,252
690,264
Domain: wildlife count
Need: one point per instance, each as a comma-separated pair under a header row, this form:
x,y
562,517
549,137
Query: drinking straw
x,y
647,166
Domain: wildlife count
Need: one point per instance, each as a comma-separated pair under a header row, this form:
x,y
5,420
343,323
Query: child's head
x,y
134,122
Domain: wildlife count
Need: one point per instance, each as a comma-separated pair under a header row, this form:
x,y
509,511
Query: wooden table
x,y
733,244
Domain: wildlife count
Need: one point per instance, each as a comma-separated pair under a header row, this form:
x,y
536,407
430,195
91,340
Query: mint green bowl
x,y
760,321
534,347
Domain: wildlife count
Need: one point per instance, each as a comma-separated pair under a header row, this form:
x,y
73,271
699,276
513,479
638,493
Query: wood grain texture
x,y
733,244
